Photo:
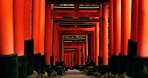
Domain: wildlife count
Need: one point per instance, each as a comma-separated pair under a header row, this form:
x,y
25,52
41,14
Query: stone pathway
x,y
74,74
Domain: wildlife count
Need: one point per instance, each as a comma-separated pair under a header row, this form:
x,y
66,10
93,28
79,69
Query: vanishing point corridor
x,y
73,38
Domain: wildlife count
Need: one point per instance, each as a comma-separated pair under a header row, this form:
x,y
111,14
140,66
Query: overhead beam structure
x,y
78,1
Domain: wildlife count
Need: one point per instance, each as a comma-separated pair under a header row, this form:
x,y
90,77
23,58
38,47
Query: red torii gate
x,y
67,55
80,47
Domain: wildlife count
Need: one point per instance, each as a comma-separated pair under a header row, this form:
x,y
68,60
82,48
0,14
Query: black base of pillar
x,y
37,63
95,68
80,68
140,67
76,66
59,70
132,47
51,60
83,67
100,63
49,69
43,64
90,70
66,68
132,51
104,69
115,64
122,64
109,64
130,66
54,68
30,64
8,66
22,66
30,56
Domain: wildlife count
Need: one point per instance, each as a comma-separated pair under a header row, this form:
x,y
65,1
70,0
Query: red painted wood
x,y
28,16
100,38
66,60
90,11
77,46
72,2
73,43
73,59
62,45
75,33
69,59
56,53
70,47
89,49
142,29
78,56
42,26
97,42
117,27
35,23
19,24
105,35
125,25
74,10
111,28
94,46
76,29
48,34
6,27
86,44
68,55
83,53
134,20
100,34
54,13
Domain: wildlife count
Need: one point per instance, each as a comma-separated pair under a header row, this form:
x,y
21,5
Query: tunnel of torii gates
x,y
32,36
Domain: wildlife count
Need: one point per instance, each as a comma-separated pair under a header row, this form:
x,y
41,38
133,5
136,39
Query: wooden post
x,y
48,34
55,43
134,20
111,28
19,25
8,59
27,19
105,35
35,23
117,27
97,42
41,26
